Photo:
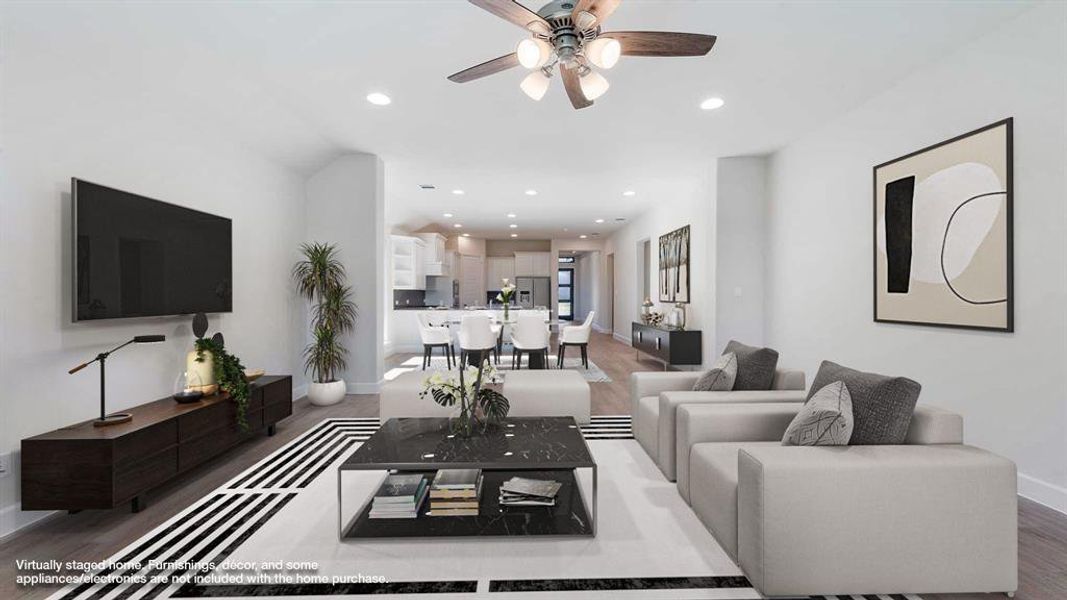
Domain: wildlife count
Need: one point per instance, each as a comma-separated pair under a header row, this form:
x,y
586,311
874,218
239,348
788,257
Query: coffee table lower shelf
x,y
569,517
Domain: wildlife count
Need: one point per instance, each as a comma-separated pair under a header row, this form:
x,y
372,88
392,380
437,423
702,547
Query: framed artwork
x,y
943,233
674,266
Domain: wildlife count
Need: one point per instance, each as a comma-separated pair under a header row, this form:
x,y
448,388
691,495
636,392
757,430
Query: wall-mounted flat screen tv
x,y
139,257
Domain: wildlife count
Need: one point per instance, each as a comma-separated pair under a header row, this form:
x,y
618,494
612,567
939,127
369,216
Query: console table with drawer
x,y
669,345
82,466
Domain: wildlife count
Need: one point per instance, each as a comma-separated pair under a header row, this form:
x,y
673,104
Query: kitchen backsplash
x,y
409,298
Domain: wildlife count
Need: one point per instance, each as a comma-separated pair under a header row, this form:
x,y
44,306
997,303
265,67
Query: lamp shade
x,y
533,52
535,85
603,52
593,85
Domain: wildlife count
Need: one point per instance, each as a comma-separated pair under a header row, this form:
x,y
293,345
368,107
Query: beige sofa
x,y
655,398
930,516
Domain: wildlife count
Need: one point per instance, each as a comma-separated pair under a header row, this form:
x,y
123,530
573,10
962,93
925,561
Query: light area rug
x,y
593,374
649,544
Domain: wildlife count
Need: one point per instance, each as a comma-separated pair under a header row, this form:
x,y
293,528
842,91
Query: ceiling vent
x,y
427,186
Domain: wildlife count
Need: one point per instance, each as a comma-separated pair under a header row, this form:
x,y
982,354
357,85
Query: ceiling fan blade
x,y
574,87
599,9
486,68
512,11
662,43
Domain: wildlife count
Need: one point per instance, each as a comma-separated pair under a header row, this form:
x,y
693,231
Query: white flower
x,y
499,297
505,281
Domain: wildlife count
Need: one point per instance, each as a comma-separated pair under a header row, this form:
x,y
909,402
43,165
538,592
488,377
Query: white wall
x,y
1009,387
696,208
740,224
59,122
346,207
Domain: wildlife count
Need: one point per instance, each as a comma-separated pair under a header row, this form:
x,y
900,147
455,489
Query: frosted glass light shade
x,y
593,85
604,52
535,85
533,52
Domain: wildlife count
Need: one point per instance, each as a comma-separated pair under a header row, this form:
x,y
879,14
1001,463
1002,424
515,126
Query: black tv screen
x,y
138,257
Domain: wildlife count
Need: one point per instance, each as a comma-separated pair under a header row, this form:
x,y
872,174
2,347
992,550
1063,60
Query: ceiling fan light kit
x,y
567,34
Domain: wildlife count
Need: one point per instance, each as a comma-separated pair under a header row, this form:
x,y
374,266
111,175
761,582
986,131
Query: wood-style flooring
x,y
98,534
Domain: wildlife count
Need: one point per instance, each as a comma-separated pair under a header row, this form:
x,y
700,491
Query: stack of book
x,y
400,497
519,491
455,493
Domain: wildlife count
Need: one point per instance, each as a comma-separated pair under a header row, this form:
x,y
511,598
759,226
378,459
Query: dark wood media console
x,y
83,466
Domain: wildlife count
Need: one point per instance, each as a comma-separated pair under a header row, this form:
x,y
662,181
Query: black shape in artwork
x,y
899,196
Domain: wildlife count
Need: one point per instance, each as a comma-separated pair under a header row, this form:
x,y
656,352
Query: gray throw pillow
x,y
720,378
881,406
825,420
755,366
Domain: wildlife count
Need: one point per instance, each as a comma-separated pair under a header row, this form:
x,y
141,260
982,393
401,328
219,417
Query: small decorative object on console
x,y
187,387
115,419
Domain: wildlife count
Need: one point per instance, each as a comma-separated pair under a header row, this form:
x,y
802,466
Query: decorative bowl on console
x,y
188,387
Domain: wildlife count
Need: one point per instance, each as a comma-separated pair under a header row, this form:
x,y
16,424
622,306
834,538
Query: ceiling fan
x,y
567,33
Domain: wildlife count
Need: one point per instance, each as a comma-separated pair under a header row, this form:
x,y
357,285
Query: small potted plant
x,y
320,277
475,404
506,292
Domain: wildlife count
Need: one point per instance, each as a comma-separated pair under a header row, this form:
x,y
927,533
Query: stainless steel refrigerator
x,y
533,291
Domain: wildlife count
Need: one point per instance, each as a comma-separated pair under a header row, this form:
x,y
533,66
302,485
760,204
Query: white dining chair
x,y
498,331
476,335
576,335
530,335
434,335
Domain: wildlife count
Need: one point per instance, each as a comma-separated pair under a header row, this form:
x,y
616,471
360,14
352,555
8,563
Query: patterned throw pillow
x,y
755,366
825,420
881,405
720,378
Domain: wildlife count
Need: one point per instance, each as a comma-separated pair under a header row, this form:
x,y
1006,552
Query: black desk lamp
x,y
115,419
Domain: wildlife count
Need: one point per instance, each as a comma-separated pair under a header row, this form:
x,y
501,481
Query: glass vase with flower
x,y
475,404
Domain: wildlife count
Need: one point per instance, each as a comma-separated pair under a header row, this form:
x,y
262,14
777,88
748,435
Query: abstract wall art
x,y
674,266
943,233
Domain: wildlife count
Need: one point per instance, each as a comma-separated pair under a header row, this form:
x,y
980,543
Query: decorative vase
x,y
326,394
202,371
188,387
507,307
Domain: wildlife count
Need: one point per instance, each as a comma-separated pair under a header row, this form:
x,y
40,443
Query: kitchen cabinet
x,y
408,258
434,260
499,268
533,264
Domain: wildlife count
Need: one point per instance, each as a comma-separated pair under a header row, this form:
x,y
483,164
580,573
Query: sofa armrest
x,y
872,519
668,416
700,423
651,383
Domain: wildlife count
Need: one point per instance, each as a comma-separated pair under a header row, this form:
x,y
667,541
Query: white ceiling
x,y
289,79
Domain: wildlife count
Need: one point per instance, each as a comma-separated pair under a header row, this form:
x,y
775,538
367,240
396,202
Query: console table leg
x,y
138,504
270,430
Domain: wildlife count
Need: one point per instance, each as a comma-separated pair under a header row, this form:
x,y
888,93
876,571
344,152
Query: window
x,y
566,260
566,294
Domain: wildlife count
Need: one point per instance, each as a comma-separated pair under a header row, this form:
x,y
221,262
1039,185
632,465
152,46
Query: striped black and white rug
x,y
280,516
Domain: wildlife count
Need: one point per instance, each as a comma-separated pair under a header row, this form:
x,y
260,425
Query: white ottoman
x,y
400,398
547,393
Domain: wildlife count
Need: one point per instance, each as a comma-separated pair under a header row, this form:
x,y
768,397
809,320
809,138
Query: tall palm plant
x,y
320,277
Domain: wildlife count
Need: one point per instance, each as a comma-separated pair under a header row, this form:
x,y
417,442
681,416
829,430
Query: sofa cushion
x,y
646,425
713,489
825,420
881,405
721,376
755,366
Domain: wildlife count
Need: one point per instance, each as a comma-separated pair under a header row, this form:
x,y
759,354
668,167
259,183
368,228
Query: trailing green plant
x,y
320,278
229,374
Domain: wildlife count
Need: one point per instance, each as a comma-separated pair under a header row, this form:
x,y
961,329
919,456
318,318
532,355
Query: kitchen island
x,y
402,335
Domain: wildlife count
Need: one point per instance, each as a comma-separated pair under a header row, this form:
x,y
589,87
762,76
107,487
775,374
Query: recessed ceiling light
x,y
514,235
378,99
513,226
448,215
583,236
712,103
458,225
629,193
531,192
599,221
466,235
458,192
511,215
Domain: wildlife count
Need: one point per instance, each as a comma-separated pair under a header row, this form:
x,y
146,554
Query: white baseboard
x,y
622,338
601,329
364,387
299,392
14,519
1052,496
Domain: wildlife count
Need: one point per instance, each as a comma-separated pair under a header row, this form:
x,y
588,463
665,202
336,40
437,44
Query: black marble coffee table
x,y
535,447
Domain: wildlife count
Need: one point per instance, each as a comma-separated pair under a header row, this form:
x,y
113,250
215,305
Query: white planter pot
x,y
325,394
